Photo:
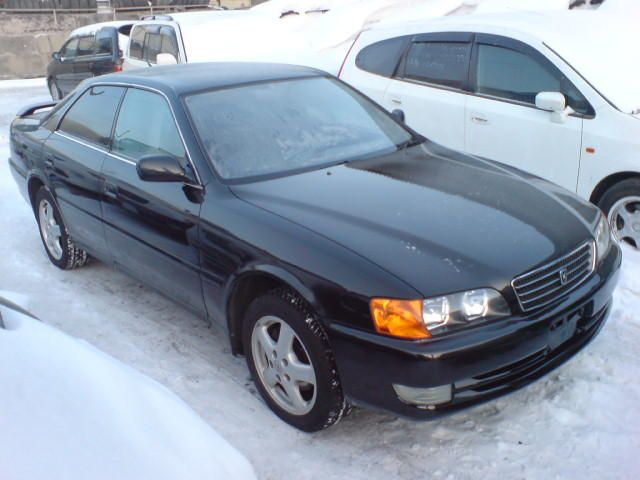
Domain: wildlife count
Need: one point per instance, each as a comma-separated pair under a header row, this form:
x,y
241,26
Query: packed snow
x,y
581,421
68,411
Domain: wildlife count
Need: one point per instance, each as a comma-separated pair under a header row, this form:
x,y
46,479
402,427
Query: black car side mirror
x,y
161,168
55,55
398,115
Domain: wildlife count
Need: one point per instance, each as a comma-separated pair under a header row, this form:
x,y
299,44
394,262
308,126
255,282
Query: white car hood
x,y
69,411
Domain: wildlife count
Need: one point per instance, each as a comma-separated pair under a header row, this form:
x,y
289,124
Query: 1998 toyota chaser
x,y
351,261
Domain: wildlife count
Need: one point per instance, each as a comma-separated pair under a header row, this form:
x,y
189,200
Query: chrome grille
x,y
550,282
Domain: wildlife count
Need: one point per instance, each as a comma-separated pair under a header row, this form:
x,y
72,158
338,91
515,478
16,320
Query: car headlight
x,y
603,238
425,318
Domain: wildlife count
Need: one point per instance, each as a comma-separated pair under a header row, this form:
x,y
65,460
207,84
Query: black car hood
x,y
437,219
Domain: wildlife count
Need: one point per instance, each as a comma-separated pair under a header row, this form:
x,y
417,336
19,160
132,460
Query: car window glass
x,y
441,63
70,48
104,42
86,46
169,42
91,117
135,43
382,57
146,126
505,73
276,127
152,47
514,75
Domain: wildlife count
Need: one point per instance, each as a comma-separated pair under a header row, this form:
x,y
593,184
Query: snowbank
x,y
69,411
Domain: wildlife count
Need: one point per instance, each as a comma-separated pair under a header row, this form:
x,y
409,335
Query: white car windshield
x,y
284,126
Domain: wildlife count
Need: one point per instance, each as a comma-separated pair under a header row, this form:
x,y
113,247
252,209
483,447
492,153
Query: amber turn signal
x,y
399,318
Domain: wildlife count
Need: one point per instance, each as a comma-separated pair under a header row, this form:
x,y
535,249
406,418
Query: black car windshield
x,y
283,126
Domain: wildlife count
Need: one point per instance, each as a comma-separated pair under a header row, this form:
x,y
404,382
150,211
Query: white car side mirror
x,y
166,59
556,103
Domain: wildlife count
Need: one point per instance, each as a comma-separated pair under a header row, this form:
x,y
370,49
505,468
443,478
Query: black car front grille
x,y
550,282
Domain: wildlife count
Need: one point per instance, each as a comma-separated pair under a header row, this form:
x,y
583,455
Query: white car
x,y
212,36
556,94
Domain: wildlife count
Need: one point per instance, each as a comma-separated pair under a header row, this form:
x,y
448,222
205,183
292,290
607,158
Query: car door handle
x,y
479,119
48,162
396,101
111,191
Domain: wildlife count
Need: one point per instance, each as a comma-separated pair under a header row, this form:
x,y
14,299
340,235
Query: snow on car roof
x,y
94,27
600,46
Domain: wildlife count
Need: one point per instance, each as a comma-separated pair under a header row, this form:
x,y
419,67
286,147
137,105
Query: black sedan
x,y
351,261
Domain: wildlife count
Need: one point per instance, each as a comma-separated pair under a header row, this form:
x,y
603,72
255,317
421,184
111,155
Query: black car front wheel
x,y
60,249
291,362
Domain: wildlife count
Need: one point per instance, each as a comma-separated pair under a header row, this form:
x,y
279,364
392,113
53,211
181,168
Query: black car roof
x,y
193,77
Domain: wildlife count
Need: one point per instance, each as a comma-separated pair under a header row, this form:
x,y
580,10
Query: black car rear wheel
x,y
291,362
61,250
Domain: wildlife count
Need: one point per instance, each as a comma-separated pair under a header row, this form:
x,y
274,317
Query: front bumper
x,y
480,363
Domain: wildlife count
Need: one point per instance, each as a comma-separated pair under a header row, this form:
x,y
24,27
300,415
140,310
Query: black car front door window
x,y
146,127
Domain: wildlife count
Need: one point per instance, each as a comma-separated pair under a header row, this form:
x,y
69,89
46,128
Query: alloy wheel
x,y
624,218
283,365
51,231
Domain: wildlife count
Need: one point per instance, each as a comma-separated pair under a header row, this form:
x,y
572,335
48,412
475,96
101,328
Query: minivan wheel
x,y
291,362
621,204
60,249
54,90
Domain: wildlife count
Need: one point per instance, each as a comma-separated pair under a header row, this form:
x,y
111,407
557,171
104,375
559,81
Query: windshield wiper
x,y
412,142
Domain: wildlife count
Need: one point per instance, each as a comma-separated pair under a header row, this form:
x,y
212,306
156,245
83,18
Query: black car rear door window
x,y
145,126
91,117
440,63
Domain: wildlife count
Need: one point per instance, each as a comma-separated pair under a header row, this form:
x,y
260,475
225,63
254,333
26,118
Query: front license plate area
x,y
562,329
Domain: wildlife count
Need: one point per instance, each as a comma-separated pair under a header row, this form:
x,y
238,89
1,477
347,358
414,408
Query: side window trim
x,y
128,87
524,49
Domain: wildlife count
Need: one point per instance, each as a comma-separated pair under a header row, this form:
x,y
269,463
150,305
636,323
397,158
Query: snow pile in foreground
x,y
69,411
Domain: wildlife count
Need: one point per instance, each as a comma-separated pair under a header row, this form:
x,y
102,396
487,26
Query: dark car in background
x,y
350,260
89,51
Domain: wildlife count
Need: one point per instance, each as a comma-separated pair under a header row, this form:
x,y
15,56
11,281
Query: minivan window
x,y
163,41
104,42
145,126
277,127
70,48
440,63
86,46
136,42
382,57
91,117
514,75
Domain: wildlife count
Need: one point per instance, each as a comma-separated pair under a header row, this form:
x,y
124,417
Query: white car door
x,y
430,84
502,121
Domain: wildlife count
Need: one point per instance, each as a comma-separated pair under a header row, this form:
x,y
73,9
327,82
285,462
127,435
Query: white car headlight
x,y
603,238
459,309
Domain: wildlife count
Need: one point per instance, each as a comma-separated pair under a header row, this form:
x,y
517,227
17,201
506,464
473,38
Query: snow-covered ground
x,y
582,421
